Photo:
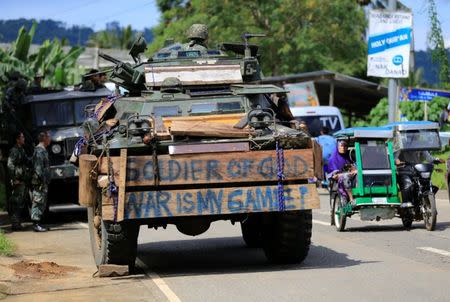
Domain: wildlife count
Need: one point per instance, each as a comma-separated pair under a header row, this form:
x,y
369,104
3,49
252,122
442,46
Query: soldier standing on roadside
x,y
18,172
40,181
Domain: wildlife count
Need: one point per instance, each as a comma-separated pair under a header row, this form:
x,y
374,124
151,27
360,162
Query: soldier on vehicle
x,y
40,181
93,80
18,168
103,79
35,86
171,85
198,36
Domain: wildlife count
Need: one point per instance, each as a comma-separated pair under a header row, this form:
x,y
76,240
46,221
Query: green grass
x,y
438,178
6,246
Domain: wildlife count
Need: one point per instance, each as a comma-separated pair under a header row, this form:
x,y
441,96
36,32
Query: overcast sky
x,y
144,13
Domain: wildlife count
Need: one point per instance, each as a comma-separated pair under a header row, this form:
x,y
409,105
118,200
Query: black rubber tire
x,y
341,219
118,242
252,232
430,215
407,220
287,236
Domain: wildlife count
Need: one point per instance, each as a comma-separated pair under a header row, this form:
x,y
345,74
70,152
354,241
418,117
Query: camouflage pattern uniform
x,y
40,181
18,172
197,35
87,85
14,98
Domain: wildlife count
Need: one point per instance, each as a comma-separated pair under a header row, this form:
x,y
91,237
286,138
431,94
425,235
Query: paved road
x,y
369,262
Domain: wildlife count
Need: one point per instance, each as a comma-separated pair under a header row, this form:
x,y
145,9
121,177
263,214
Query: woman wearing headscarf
x,y
342,169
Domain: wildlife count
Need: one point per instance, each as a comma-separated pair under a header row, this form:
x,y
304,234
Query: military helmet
x,y
198,31
171,85
21,84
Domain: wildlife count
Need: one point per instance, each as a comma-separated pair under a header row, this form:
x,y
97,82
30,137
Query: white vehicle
x,y
317,117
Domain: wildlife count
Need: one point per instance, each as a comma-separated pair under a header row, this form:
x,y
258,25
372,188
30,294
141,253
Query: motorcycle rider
x,y
405,160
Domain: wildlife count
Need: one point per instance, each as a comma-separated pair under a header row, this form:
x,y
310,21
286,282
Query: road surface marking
x,y
436,251
83,225
170,295
321,222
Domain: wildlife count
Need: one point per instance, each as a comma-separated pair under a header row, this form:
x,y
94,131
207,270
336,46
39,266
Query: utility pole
x,y
392,87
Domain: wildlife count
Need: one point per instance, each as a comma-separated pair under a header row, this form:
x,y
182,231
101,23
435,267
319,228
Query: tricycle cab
x,y
415,136
375,187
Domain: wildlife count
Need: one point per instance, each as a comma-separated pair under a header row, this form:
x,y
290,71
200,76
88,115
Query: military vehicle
x,y
61,113
194,142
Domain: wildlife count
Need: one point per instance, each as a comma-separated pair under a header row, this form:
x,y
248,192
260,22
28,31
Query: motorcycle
x,y
424,201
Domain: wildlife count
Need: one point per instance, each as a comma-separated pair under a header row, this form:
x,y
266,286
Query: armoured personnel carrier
x,y
197,141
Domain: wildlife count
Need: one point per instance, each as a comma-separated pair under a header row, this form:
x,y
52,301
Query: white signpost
x,y
389,44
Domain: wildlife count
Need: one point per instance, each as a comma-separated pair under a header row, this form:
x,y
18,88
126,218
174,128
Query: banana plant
x,y
58,66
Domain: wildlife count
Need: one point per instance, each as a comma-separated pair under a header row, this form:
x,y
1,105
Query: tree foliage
x,y
74,35
302,35
415,79
50,29
58,66
413,111
438,51
113,36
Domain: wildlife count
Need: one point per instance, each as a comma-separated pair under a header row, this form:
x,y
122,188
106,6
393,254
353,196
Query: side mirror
x,y
139,46
352,155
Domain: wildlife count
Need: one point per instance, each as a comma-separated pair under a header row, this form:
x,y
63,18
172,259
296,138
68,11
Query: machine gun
x,y
130,77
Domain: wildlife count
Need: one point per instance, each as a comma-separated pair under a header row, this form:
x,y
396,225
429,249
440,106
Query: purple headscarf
x,y
337,160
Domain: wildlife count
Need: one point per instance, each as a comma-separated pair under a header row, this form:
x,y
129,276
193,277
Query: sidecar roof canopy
x,y
365,132
413,125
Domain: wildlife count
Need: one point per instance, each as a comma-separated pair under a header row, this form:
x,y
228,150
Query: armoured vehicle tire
x,y
287,236
117,243
339,218
251,231
430,213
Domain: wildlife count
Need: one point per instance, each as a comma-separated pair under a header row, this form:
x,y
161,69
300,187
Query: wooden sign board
x,y
217,201
227,167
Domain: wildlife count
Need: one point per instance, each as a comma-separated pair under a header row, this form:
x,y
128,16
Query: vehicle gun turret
x,y
129,76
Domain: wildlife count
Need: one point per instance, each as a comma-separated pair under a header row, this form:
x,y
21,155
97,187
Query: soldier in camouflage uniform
x,y
40,181
18,171
93,80
197,35
14,98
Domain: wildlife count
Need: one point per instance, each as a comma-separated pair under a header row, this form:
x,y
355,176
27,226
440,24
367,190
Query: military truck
x,y
61,113
194,142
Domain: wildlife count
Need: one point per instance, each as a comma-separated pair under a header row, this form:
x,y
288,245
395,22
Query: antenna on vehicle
x,y
246,37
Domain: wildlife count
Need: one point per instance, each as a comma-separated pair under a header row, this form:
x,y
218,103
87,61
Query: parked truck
x,y
61,113
194,142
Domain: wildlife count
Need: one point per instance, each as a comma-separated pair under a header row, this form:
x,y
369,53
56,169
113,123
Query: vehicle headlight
x,y
56,148
425,174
